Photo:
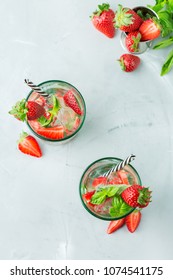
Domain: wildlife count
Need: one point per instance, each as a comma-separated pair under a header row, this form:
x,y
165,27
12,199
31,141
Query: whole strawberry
x,y
150,29
126,19
129,62
132,41
27,110
136,196
103,20
71,101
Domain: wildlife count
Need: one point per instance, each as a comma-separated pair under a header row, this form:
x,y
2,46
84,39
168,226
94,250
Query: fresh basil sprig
x,y
104,192
119,207
168,64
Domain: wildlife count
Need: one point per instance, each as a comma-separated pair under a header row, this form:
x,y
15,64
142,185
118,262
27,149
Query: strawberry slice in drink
x,y
71,101
53,133
99,181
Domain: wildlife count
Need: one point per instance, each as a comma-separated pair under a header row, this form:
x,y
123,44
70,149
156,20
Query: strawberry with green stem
x,y
27,144
103,20
27,110
136,196
132,41
126,19
129,62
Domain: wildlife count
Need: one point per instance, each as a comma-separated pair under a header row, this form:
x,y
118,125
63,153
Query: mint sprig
x,y
53,112
119,207
104,192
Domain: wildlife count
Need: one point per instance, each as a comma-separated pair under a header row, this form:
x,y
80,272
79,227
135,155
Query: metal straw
x,y
120,165
36,88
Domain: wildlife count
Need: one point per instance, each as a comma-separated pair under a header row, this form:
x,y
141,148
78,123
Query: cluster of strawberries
x,y
136,26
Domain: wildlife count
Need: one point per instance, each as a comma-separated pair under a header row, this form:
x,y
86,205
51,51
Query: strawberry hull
x,y
64,113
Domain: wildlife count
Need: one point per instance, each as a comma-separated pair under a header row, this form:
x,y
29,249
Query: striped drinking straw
x,y
36,88
120,165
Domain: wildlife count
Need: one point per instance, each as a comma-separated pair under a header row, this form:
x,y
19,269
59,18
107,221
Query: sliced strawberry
x,y
71,101
150,29
27,144
99,181
114,225
116,181
124,176
87,196
53,133
132,220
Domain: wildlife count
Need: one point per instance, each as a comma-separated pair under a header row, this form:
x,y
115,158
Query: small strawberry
x,y
103,20
87,196
71,101
132,41
129,62
53,133
132,220
27,144
114,225
136,196
27,110
126,19
150,29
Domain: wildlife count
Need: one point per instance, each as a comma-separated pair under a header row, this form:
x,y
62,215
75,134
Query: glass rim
x,y
80,194
82,122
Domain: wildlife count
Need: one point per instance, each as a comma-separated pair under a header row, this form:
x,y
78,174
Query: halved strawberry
x,y
150,29
27,144
124,176
114,225
116,181
53,133
71,101
132,220
99,181
87,196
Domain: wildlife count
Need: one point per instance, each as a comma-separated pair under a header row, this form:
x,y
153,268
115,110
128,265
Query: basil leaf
x,y
168,64
119,207
99,196
164,44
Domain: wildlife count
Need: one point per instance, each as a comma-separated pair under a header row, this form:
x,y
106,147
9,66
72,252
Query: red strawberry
x,y
136,196
126,19
114,225
53,133
150,29
103,20
24,110
87,196
115,181
129,62
123,176
132,41
71,101
99,181
28,145
132,220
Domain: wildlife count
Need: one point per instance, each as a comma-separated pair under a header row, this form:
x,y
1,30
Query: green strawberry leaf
x,y
168,64
53,112
119,207
109,191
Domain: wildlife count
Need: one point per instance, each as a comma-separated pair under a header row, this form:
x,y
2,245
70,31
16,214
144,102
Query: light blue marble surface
x,y
41,215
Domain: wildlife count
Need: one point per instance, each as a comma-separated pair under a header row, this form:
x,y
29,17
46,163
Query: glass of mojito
x,y
64,111
100,195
